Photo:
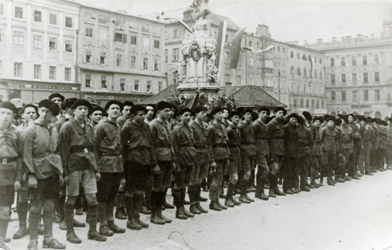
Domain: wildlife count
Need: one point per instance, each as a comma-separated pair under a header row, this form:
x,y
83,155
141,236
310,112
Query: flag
x,y
236,48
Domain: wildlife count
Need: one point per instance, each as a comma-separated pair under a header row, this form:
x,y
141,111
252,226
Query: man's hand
x,y
156,170
17,185
32,181
97,176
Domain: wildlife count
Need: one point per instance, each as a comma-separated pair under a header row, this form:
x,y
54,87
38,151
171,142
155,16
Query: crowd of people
x,y
118,161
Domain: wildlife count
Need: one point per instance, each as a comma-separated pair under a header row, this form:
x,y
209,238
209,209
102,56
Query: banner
x,y
236,48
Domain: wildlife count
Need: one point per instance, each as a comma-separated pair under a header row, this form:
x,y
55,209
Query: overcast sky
x,y
294,20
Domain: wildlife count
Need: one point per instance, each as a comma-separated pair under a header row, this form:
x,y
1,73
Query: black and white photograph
x,y
196,124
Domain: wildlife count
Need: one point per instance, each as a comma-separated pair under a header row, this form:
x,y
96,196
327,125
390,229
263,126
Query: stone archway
x,y
378,114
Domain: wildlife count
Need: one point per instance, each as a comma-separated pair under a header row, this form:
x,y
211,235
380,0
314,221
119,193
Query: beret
x,y
293,115
199,109
281,109
264,109
54,95
137,108
234,113
215,110
68,103
81,102
10,106
184,110
307,115
109,103
163,105
96,108
53,107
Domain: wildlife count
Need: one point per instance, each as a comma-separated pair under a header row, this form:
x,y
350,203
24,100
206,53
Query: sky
x,y
295,20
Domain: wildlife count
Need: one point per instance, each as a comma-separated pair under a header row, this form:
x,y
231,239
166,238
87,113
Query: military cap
x,y
81,102
10,106
53,107
110,103
138,107
281,109
54,95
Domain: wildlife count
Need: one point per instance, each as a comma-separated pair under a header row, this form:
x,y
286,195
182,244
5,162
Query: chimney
x,y
262,30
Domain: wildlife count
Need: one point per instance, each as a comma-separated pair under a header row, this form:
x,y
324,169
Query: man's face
x,y
235,119
29,114
317,123
201,115
165,113
263,114
171,113
58,101
6,116
114,111
248,116
96,116
45,114
81,112
279,114
186,117
293,121
150,112
225,113
127,111
218,116
350,119
331,123
139,116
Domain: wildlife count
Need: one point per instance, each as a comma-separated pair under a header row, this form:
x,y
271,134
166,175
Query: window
x,y
377,94
365,95
377,77
103,35
88,81
136,86
148,87
307,103
102,58
68,22
146,42
37,16
159,86
297,55
52,43
68,46
299,71
18,12
118,37
305,73
291,54
18,69
89,32
301,103
364,60
354,77
52,72
292,70
119,60
251,61
133,62
67,74
318,104
52,19
122,84
354,61
166,55
37,71
332,62
343,96
103,82
18,37
175,34
134,40
376,61
145,63
333,79
333,96
37,42
365,78
321,75
176,55
344,78
355,96
343,61
156,44
88,56
156,65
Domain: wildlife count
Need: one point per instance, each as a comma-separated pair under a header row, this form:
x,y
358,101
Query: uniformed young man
x,y
305,143
388,149
11,151
203,152
291,152
41,157
95,115
110,165
248,154
140,161
80,169
276,145
234,165
354,159
347,149
166,159
217,137
328,138
316,151
262,152
59,100
29,113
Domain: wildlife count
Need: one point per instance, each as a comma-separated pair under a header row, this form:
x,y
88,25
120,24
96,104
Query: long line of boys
x,y
128,156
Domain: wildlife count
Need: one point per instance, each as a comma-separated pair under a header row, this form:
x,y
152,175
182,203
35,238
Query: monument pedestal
x,y
190,91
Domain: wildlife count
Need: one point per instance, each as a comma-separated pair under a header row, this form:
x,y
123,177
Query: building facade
x,y
119,56
38,44
359,73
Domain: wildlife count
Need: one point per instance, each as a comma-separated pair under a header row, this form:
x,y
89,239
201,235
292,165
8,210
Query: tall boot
x,y
273,184
109,217
103,223
22,216
162,199
192,198
183,192
260,190
165,203
178,202
198,199
130,206
121,212
244,196
313,183
61,213
155,209
92,211
69,218
138,200
251,182
229,196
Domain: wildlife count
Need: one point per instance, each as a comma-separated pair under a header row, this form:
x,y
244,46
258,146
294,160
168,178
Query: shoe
x,y
271,193
194,210
278,192
63,225
249,199
222,196
167,205
22,232
73,238
251,189
79,211
356,177
94,235
305,188
164,218
203,199
289,191
156,219
105,231
180,213
229,203
78,224
263,197
142,223
214,206
330,182
243,199
347,178
340,179
145,210
33,245
132,224
188,214
53,243
235,201
201,209
313,185
121,214
296,190
223,207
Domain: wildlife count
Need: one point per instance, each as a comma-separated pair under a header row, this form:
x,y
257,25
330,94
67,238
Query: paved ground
x,y
355,215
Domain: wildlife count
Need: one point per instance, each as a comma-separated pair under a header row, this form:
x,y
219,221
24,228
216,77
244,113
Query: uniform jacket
x,y
305,141
291,140
218,139
234,135
328,137
184,145
248,139
261,135
161,135
11,146
203,148
275,137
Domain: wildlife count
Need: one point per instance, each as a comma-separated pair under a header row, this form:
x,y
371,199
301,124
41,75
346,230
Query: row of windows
x,y
308,103
18,71
306,73
354,96
365,78
18,39
344,63
175,55
122,84
19,13
305,58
